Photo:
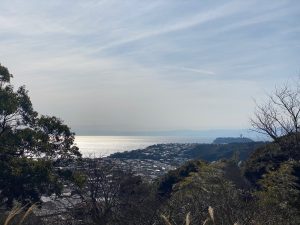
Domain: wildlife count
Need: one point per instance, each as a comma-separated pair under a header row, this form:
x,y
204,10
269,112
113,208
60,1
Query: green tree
x,y
205,188
30,145
280,192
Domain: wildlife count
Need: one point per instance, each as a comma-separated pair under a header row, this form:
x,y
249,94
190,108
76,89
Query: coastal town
x,y
157,160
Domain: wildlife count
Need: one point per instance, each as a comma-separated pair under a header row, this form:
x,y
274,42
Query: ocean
x,y
99,146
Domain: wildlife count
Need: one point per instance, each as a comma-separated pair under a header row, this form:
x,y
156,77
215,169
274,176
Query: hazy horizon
x,y
120,67
209,134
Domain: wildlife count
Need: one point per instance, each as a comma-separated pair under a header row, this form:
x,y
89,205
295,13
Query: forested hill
x,y
179,152
229,140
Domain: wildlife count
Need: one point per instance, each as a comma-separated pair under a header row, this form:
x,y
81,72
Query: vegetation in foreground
x,y
265,189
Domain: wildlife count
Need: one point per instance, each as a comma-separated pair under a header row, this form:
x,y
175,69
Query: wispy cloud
x,y
160,64
181,24
201,71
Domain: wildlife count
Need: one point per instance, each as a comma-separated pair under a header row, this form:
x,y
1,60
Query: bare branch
x,y
279,115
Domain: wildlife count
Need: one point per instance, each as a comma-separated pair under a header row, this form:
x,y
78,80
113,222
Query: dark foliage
x,y
269,158
213,152
173,177
29,145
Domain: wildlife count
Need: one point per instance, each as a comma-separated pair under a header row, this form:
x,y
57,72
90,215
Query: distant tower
x,y
241,135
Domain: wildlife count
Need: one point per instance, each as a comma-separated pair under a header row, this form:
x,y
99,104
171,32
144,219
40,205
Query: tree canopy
x,y
30,145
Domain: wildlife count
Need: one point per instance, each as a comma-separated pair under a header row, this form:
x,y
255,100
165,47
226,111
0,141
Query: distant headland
x,y
230,140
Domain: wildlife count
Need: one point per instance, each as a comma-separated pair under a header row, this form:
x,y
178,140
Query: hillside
x,y
230,140
270,157
174,153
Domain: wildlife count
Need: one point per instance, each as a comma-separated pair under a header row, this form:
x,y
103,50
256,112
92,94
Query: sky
x,y
118,67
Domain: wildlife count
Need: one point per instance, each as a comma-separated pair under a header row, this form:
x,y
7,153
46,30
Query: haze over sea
x,y
95,146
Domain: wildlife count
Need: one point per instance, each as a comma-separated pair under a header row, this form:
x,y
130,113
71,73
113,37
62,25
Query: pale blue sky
x,y
116,66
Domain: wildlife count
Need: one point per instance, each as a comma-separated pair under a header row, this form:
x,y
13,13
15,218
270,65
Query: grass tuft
x,y
16,211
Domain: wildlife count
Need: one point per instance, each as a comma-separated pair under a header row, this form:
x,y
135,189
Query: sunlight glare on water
x,y
96,146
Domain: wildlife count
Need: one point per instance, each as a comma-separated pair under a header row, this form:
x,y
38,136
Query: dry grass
x,y
17,210
166,220
187,219
211,214
209,220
